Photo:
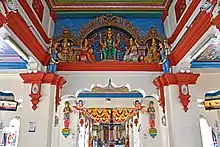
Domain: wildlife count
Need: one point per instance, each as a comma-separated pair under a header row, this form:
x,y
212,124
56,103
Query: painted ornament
x,y
66,132
67,110
151,112
153,132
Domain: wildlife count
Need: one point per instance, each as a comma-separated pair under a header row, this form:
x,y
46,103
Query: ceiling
x,y
210,57
68,5
9,59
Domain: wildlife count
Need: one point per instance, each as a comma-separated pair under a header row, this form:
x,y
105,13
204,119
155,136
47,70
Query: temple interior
x,y
110,73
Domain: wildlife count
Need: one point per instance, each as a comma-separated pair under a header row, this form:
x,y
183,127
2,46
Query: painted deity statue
x,y
154,49
109,50
63,54
132,51
164,59
66,54
79,107
152,54
52,50
87,52
151,112
67,110
138,107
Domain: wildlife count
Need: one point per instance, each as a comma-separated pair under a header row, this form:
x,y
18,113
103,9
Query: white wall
x,y
82,80
12,82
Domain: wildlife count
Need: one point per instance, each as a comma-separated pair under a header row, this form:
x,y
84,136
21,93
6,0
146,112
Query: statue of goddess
x,y
109,50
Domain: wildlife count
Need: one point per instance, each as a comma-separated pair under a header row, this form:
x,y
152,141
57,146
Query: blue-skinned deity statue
x,y
164,59
52,67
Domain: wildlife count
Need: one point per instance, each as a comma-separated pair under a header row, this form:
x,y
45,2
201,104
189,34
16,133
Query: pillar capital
x,y
36,79
176,79
182,80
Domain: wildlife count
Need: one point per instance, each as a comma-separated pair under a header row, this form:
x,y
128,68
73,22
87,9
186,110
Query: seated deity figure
x,y
87,52
63,54
109,51
132,51
152,53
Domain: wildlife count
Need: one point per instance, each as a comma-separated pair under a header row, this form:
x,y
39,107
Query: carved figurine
x,y
121,48
67,110
66,53
79,107
164,59
152,53
138,107
151,112
87,52
53,57
109,50
132,51
156,54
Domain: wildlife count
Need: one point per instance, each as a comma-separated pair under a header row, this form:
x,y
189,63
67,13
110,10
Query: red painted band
x,y
15,22
184,20
198,29
34,20
108,66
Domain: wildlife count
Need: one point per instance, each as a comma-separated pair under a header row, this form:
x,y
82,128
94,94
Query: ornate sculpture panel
x,y
109,38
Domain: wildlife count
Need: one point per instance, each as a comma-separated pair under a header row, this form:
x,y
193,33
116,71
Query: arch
x,y
109,21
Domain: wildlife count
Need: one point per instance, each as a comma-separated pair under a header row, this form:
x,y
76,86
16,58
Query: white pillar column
x,y
135,131
87,133
81,142
182,115
164,134
38,109
131,142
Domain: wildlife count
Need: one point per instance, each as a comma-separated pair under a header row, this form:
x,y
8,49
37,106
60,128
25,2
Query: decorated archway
x,y
109,115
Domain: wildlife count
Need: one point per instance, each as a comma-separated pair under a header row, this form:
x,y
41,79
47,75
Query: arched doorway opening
x,y
207,133
109,116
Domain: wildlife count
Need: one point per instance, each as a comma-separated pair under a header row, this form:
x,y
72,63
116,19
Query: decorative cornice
x,y
109,66
194,4
109,5
178,79
34,20
44,78
201,24
15,22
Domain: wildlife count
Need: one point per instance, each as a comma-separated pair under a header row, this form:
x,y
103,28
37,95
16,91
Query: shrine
x,y
109,73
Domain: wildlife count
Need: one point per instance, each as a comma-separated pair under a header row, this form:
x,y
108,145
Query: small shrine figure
x,y
79,107
52,50
87,52
132,51
109,50
164,59
67,110
151,112
138,107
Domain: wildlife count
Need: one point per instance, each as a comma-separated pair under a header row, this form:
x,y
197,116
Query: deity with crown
x,y
109,51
